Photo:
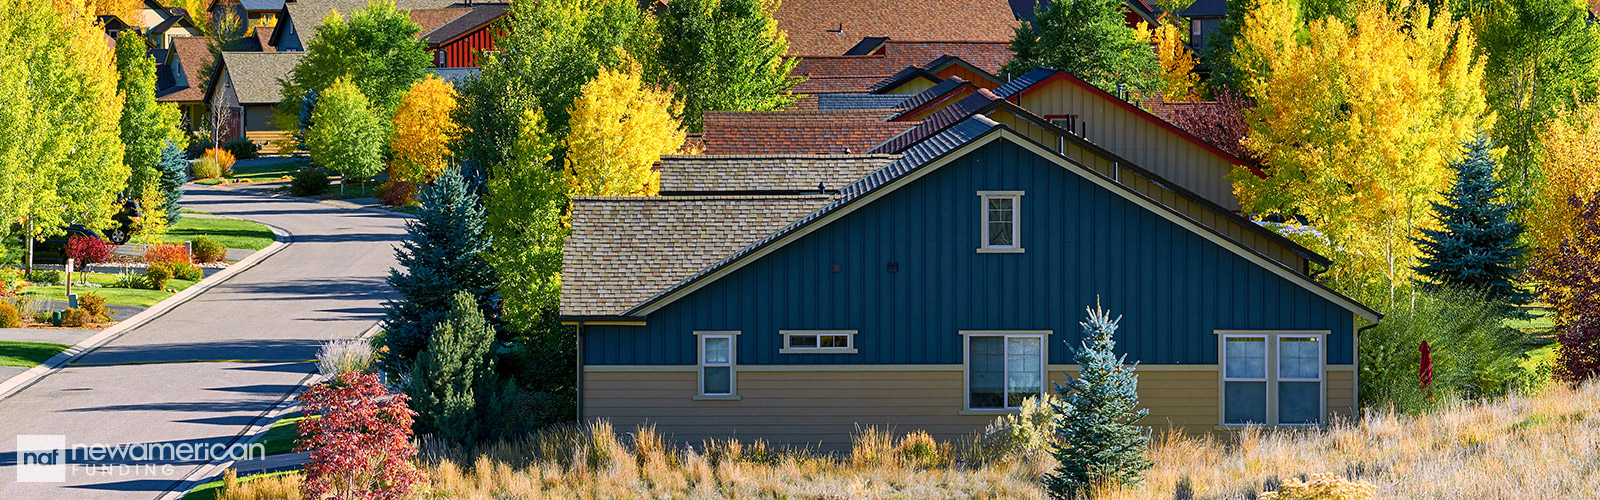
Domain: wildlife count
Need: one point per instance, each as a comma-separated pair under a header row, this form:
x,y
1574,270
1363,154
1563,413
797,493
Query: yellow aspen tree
x,y
619,129
1356,123
126,10
423,130
1571,164
1179,83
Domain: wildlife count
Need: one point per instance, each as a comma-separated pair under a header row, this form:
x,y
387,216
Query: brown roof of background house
x,y
830,27
432,19
730,174
477,17
623,250
798,132
192,54
307,15
846,74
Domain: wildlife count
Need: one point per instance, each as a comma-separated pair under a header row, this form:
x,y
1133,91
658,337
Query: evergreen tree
x,y
1477,247
174,170
443,255
724,55
1097,442
454,374
1089,39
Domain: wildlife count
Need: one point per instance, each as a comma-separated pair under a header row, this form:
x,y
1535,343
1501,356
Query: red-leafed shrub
x,y
84,250
361,447
1569,279
1220,123
168,254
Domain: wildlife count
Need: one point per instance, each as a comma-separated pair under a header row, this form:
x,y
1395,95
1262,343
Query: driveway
x,y
201,373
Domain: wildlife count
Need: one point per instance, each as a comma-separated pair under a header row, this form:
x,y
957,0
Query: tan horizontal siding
x,y
1342,393
271,141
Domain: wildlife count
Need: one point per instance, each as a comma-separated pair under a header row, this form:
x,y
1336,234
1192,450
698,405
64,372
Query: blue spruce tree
x,y
174,170
443,255
1477,247
1097,442
454,377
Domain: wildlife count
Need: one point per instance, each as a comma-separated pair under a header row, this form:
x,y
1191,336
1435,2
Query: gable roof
x,y
255,75
950,88
936,123
1206,8
928,155
624,249
190,56
771,174
832,27
176,18
307,15
896,58
467,23
1040,77
261,5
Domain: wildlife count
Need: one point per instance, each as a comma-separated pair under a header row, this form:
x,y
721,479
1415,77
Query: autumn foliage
x,y
84,250
1569,279
423,131
620,128
167,254
361,447
1571,169
1179,83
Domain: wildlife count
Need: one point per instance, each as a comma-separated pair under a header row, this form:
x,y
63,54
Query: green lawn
x,y
209,491
187,211
27,354
208,182
114,296
231,233
280,437
265,172
1540,322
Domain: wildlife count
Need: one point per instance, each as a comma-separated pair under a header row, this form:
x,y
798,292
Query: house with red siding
x,y
457,43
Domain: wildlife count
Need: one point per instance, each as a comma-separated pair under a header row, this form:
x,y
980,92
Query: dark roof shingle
x,y
771,173
190,54
255,75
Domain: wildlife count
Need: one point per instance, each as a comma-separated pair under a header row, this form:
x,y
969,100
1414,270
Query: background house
x,y
243,93
181,79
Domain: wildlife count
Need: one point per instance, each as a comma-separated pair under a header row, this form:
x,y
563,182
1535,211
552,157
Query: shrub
x,y
396,193
130,281
265,487
95,305
1027,434
197,147
208,250
1323,487
168,253
9,316
361,447
1569,279
339,356
45,277
73,317
187,272
205,168
309,181
241,148
919,450
157,276
10,281
84,250
224,160
1474,354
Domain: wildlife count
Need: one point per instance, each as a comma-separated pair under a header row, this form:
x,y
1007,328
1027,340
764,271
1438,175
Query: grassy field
x,y
231,233
114,296
27,354
281,436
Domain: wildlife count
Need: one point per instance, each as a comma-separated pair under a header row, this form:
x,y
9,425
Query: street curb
x,y
23,380
257,429
328,203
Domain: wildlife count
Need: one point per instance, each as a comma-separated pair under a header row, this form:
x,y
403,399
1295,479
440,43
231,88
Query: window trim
x,y
1016,222
849,335
700,365
966,366
1273,339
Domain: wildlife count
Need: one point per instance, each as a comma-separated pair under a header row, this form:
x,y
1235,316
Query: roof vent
x,y
822,186
840,30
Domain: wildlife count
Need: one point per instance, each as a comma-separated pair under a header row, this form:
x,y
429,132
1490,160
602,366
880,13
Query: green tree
x,y
1542,59
724,55
443,255
450,380
60,140
174,169
143,132
1219,52
1097,442
377,49
1477,246
1089,39
347,135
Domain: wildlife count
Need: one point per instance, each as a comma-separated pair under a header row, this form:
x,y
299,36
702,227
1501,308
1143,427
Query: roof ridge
x,y
779,156
703,197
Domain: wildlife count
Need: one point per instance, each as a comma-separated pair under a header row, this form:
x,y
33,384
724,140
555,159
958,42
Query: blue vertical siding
x,y
1172,287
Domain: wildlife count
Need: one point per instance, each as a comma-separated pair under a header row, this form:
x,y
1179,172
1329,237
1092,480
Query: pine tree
x,y
1097,442
174,171
450,378
444,255
1477,247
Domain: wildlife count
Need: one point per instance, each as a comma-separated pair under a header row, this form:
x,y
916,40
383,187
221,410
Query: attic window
x,y
1001,229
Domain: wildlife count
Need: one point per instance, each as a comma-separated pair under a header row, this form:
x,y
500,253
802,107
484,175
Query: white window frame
x,y
849,336
1016,222
732,365
966,366
1273,340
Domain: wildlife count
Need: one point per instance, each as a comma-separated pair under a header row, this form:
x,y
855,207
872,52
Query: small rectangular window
x,y
716,364
818,342
1001,230
1004,370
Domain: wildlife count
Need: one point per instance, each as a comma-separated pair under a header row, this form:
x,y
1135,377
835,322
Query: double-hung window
x,y
1004,369
717,353
1272,378
1001,230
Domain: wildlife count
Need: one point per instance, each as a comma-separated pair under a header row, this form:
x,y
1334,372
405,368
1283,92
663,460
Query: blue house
x,y
799,298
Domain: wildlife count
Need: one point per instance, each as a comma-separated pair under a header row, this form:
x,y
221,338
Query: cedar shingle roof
x,y
798,132
191,54
623,250
682,174
831,27
255,74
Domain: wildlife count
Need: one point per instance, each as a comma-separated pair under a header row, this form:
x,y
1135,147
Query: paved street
x,y
179,380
